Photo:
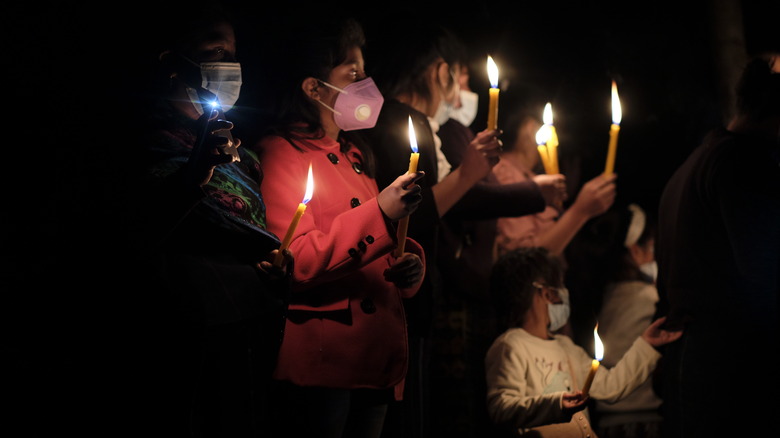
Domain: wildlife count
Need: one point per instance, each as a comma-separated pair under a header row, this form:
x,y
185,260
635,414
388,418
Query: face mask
x,y
357,105
559,313
222,79
649,270
468,108
443,113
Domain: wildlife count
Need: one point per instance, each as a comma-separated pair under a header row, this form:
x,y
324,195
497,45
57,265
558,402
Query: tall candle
x,y
542,137
617,115
492,69
552,143
599,351
403,224
296,218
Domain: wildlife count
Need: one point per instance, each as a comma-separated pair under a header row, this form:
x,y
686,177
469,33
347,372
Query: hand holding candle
x,y
492,122
599,351
296,218
403,224
617,115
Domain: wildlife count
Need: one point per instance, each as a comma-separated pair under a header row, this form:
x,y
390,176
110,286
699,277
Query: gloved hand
x,y
401,197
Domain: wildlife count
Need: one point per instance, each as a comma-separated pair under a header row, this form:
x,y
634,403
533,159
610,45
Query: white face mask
x,y
443,112
650,270
559,313
222,79
467,112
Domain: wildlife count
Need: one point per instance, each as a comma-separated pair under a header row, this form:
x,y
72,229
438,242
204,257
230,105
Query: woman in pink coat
x,y
344,354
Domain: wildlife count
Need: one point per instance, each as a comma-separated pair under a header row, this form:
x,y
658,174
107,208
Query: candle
x,y
599,351
296,218
617,115
542,137
493,105
552,143
403,224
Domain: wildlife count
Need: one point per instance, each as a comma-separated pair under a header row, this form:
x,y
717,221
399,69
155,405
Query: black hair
x,y
402,54
312,50
512,278
758,89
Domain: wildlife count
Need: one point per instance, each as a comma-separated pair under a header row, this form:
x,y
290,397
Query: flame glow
x,y
543,134
412,136
492,69
548,116
598,346
617,113
309,187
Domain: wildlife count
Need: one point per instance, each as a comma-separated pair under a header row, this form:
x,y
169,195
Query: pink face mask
x,y
357,105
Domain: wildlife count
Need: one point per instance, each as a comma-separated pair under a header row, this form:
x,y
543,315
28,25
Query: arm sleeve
x,y
508,402
613,384
320,256
490,200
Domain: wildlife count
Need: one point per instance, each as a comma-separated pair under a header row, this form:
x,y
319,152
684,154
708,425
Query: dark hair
x,y
401,55
512,278
311,50
518,106
177,28
758,90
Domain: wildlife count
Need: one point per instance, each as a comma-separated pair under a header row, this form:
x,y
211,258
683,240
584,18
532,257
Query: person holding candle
x,y
344,356
207,305
534,377
418,71
612,260
466,239
718,253
556,226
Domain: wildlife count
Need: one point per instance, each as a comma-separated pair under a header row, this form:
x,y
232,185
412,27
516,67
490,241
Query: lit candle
x,y
403,224
552,143
542,137
296,218
599,350
617,115
493,106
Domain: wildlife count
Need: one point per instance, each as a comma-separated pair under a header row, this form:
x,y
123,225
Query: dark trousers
x,y
307,412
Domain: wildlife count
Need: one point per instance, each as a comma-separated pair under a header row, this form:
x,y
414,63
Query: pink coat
x,y
346,326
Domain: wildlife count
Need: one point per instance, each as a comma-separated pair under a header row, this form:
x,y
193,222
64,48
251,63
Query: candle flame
x,y
617,113
309,187
492,69
543,134
412,136
548,116
599,347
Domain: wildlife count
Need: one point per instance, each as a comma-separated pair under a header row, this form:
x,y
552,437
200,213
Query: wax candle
x,y
493,105
599,354
296,218
617,115
542,137
403,224
552,143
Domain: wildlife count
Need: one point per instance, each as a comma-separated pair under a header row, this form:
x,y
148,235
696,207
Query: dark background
x,y
71,69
